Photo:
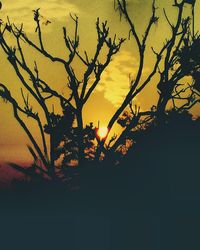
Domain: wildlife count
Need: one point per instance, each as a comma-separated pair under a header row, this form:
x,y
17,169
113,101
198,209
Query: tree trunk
x,y
165,96
80,137
161,107
52,157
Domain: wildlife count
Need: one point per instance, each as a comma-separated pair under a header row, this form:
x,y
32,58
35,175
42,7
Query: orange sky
x,y
115,80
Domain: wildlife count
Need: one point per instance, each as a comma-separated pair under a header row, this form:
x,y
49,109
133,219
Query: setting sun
x,y
102,132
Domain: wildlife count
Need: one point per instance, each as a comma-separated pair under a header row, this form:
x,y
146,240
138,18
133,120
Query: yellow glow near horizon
x,y
102,132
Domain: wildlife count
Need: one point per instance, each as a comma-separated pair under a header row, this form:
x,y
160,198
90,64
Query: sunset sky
x,y
115,81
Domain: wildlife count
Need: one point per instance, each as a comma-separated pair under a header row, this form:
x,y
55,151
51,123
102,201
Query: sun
x,y
102,132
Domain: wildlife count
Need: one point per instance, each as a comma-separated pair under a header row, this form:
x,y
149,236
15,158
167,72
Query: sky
x,y
115,81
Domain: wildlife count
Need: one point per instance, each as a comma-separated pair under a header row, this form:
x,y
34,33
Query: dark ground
x,y
151,201
106,218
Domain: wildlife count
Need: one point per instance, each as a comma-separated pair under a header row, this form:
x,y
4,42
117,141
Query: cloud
x,y
115,80
20,11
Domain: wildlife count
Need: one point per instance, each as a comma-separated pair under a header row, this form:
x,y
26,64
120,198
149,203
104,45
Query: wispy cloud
x,y
115,80
20,11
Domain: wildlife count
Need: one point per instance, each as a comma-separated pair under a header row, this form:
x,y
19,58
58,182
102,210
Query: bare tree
x,y
169,64
181,60
41,91
136,85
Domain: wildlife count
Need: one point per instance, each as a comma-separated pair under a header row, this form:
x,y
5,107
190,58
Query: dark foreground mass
x,y
151,200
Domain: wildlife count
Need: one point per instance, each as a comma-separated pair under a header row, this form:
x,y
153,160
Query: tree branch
x,y
5,94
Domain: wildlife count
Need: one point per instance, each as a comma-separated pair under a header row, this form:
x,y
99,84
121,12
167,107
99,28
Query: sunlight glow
x,y
102,132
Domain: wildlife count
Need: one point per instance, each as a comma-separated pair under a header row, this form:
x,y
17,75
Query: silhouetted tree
x,y
178,58
181,60
60,128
